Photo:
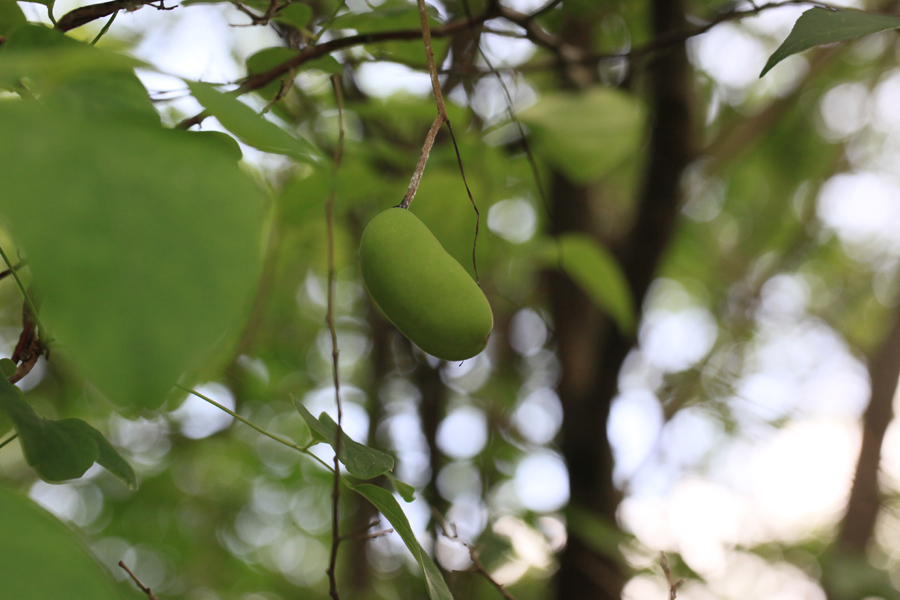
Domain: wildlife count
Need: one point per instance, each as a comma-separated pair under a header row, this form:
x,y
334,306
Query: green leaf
x,y
7,367
361,461
80,78
819,26
385,502
588,134
57,450
597,273
109,458
41,558
406,491
143,243
251,128
11,17
60,450
222,142
296,15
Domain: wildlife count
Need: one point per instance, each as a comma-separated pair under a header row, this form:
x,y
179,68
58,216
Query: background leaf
x,y
588,134
40,558
596,271
385,502
819,26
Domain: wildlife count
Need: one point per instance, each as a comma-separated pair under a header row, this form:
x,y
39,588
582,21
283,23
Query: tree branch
x,y
86,14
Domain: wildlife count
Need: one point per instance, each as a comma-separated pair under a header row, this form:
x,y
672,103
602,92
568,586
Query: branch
x,y
674,584
319,50
143,588
451,533
86,14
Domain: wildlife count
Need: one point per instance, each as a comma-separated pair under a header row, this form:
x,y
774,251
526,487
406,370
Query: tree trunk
x,y
591,349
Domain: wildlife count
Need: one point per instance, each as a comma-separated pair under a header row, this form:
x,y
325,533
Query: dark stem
x,y
138,583
335,352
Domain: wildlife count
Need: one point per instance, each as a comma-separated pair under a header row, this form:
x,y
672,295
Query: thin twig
x,y
8,272
41,331
138,583
9,439
451,533
326,48
673,583
335,352
462,172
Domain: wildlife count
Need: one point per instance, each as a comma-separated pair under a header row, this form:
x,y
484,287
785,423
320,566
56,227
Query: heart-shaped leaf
x,y
143,243
60,450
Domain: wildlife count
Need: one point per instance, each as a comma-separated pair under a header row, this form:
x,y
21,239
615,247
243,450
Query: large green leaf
x,y
385,502
11,17
587,134
251,128
41,558
819,26
143,243
594,269
60,450
361,461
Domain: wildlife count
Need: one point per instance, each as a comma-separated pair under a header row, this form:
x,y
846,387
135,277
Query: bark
x,y
591,350
865,501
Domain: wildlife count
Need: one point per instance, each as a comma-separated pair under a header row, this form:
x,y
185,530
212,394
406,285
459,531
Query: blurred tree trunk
x,y
590,348
858,525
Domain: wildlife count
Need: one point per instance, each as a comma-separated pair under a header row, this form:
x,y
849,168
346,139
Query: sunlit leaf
x,y
586,134
60,450
40,558
361,461
819,26
251,128
143,244
385,502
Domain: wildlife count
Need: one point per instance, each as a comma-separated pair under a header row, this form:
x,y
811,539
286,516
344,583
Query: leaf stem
x,y
105,29
247,422
41,330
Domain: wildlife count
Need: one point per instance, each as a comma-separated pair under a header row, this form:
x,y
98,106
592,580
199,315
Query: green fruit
x,y
422,289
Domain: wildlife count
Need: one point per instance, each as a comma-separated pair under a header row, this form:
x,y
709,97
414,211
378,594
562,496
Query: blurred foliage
x,y
161,257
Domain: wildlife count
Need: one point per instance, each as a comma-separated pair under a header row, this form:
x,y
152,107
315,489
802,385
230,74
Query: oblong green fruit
x,y
422,289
